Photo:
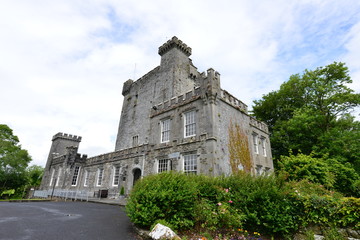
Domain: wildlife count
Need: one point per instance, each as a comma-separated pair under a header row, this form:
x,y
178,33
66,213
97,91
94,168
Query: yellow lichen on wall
x,y
240,159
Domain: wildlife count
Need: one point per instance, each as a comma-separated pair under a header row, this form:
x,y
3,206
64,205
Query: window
x,y
86,178
52,177
163,165
256,144
258,170
116,175
190,163
58,176
190,124
165,130
135,141
263,146
99,177
75,176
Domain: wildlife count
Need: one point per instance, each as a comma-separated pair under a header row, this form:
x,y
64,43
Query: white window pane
x,y
190,163
190,124
165,130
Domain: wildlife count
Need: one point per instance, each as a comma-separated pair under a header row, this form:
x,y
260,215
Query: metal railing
x,y
66,194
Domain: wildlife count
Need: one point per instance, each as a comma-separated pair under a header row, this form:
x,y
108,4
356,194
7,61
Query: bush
x,y
269,205
328,172
168,196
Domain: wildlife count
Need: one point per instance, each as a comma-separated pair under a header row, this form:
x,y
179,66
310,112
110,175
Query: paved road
x,y
63,220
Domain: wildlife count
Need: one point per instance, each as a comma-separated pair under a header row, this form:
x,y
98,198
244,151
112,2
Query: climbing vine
x,y
239,149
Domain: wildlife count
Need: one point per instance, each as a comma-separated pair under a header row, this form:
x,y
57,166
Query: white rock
x,y
162,232
318,237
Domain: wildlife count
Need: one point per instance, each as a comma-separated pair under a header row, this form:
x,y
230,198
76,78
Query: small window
x,y
52,177
165,130
190,124
86,178
263,146
256,143
135,141
75,176
163,165
116,175
190,163
58,176
258,170
99,177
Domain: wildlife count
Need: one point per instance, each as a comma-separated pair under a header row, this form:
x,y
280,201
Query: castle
x,y
172,118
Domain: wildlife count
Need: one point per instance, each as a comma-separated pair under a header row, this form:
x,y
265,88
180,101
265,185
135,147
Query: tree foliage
x,y
311,113
13,161
327,172
34,175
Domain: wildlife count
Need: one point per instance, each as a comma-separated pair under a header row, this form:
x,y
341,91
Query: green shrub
x,y
269,205
168,196
348,214
122,190
264,202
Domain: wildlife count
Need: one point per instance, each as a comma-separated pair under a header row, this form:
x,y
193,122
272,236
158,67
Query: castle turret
x,y
174,53
60,143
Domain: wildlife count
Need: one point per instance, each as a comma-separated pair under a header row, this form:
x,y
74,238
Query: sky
x,y
63,63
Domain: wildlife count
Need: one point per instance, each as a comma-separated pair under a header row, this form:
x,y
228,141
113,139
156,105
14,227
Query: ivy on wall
x,y
238,145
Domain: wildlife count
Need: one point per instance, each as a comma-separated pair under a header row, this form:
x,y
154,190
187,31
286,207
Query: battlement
x,y
66,136
259,125
233,101
174,42
118,155
176,101
211,73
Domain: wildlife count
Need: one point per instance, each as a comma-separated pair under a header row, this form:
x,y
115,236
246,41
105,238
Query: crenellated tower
x,y
61,142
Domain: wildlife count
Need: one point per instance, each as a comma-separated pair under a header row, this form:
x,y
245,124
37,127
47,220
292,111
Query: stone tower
x,y
61,142
175,76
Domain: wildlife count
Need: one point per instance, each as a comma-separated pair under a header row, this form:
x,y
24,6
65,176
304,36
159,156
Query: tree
x,y
306,112
13,161
34,174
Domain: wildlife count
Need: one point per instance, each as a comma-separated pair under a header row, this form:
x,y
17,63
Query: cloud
x,y
63,63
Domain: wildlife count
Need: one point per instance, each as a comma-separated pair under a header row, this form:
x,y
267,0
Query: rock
x,y
162,232
352,233
318,237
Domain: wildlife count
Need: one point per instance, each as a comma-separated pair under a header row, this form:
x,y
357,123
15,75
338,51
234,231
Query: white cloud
x,y
62,64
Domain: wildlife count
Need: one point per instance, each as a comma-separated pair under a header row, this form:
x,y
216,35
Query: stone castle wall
x,y
169,91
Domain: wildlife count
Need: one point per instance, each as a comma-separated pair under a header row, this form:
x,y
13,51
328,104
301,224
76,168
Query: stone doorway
x,y
137,175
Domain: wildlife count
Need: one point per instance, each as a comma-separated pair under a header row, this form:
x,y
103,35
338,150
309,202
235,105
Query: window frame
x,y
75,176
58,176
135,141
263,146
99,177
189,127
52,177
165,130
191,168
163,165
116,175
256,142
86,178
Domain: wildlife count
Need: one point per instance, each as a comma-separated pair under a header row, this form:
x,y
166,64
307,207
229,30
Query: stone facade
x,y
173,118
